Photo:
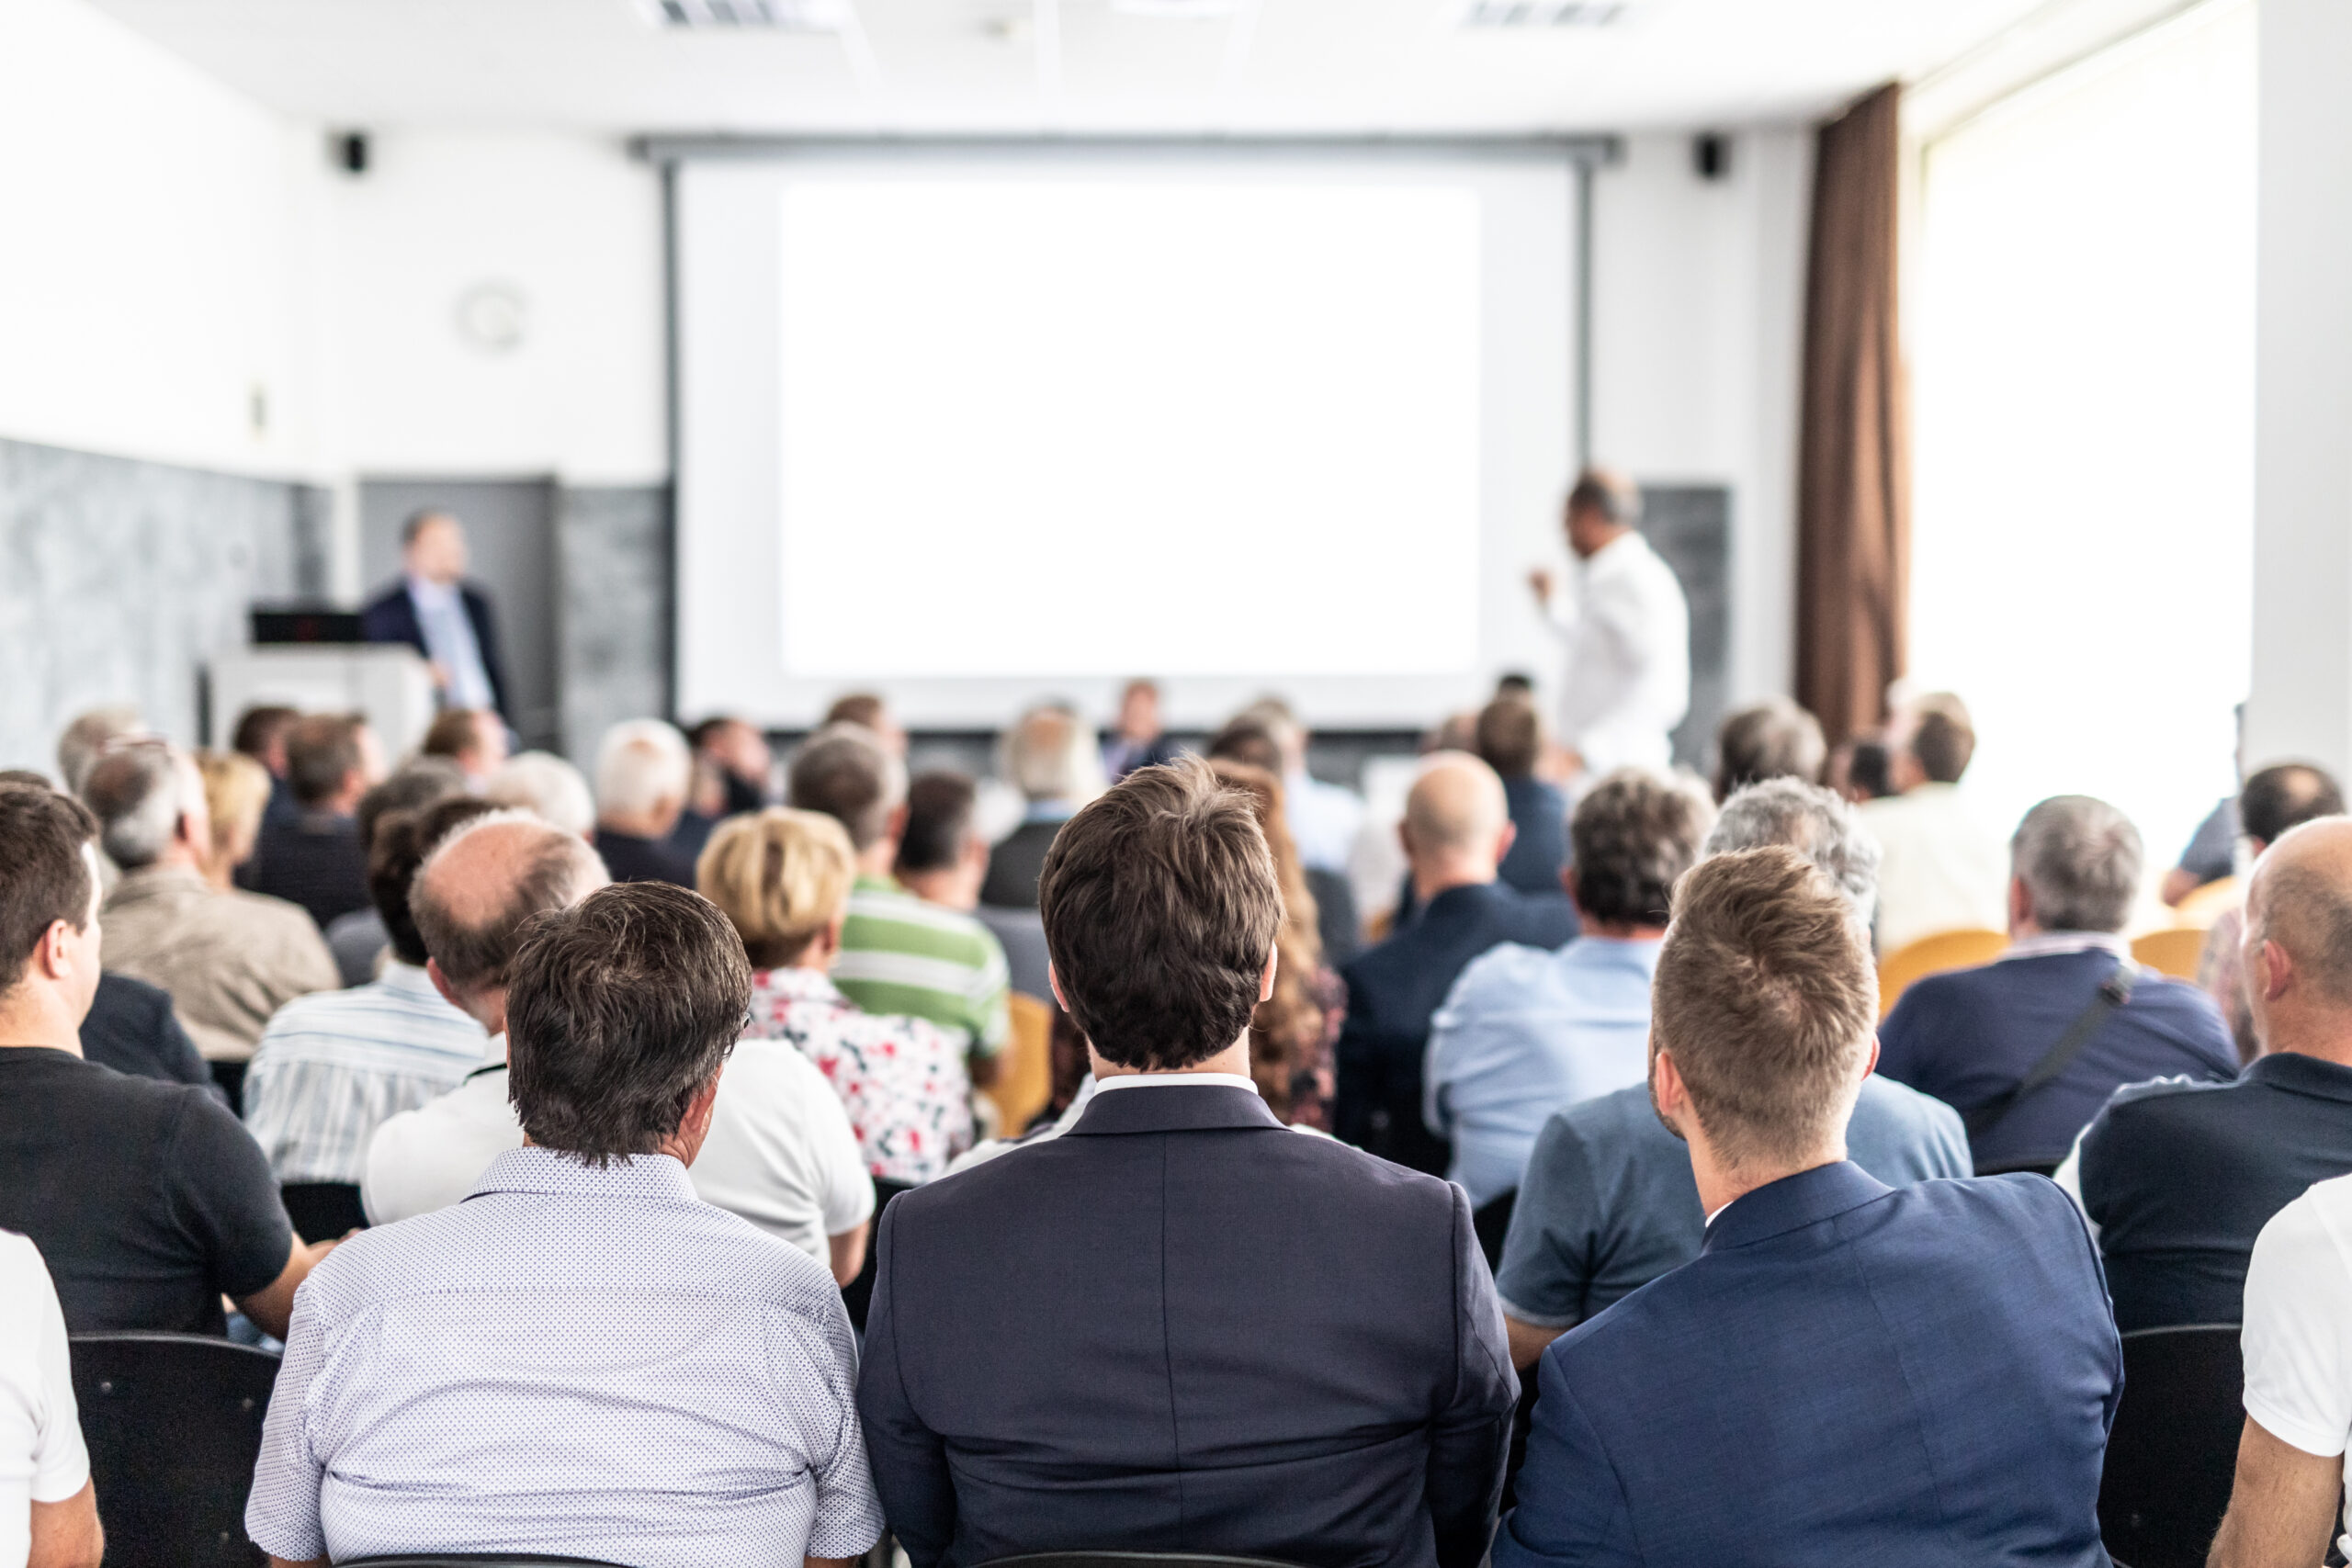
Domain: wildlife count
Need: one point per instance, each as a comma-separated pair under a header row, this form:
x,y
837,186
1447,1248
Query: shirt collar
x,y
553,1174
1049,811
430,596
1794,1202
2299,1074
797,985
2047,944
155,878
1175,1081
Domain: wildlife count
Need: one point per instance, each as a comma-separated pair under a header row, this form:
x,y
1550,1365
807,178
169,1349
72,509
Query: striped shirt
x,y
902,955
332,1068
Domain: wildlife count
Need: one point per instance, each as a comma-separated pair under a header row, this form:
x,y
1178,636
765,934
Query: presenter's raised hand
x,y
1540,580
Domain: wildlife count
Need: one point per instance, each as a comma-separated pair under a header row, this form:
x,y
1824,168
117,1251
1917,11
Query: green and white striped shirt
x,y
900,955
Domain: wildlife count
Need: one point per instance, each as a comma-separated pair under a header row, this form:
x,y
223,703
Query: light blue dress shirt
x,y
1524,1033
449,641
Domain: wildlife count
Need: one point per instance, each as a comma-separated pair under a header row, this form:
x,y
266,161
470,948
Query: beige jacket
x,y
230,960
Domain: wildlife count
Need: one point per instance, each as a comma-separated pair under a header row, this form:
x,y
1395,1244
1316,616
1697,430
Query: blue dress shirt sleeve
x,y
1572,1507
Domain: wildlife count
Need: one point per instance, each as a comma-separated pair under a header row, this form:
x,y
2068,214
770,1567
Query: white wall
x,y
1698,315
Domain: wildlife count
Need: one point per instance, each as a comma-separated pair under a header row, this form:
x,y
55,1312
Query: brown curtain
x,y
1854,452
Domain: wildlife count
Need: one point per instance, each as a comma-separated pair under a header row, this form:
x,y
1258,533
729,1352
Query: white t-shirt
x,y
41,1456
2297,1334
780,1152
1940,867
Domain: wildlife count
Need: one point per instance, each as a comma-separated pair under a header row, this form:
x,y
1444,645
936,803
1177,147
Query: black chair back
x,y
859,1294
1130,1560
174,1425
2174,1451
324,1211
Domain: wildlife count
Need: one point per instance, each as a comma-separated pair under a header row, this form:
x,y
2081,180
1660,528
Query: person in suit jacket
x,y
1847,1373
436,612
1181,1325
1139,741
1455,832
131,1028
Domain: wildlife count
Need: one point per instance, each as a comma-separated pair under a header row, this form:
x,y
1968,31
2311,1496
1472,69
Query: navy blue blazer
x,y
1847,1376
391,616
1395,986
1540,848
1182,1327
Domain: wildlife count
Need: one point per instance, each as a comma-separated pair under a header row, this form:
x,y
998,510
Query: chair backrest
x,y
1025,1077
2174,951
1130,1560
2173,1454
2205,905
172,1422
1933,955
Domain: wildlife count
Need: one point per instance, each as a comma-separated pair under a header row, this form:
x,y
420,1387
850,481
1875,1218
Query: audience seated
x,y
869,713
147,1199
784,878
1609,1202
1049,757
229,959
1456,830
332,1068
1860,769
359,938
1250,744
1509,738
1140,741
2293,1463
474,739
1847,1372
237,792
899,953
2179,1177
260,735
1942,868
2211,854
318,860
2027,1048
733,765
477,890
1323,816
1526,1031
90,736
582,1360
943,858
49,1511
643,771
2275,799
1321,1322
1291,1032
1771,740
546,787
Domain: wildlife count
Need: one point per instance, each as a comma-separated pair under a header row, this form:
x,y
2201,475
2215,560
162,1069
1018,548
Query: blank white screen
x,y
1122,397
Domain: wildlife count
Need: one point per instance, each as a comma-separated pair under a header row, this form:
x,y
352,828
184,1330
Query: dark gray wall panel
x,y
614,642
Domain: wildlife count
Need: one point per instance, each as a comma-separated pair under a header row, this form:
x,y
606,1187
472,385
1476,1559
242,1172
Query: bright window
x,y
2083,354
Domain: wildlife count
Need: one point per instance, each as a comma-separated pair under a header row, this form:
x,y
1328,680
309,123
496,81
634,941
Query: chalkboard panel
x,y
1690,526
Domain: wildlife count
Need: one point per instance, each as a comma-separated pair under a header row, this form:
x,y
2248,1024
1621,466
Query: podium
x,y
387,682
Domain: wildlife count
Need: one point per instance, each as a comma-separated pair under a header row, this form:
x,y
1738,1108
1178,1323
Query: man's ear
x,y
441,984
1266,981
2277,970
896,829
1054,984
1502,845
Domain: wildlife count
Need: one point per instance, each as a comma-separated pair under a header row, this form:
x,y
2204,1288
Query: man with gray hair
x,y
229,959
2027,1048
1049,756
644,773
1609,1202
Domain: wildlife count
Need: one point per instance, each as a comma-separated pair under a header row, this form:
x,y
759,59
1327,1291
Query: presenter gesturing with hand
x,y
1627,684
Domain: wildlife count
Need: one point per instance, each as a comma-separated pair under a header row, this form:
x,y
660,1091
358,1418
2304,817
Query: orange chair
x,y
1933,955
2174,951
1024,1075
2205,905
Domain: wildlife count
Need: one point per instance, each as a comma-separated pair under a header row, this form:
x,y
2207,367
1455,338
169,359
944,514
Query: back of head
x,y
44,839
1048,754
642,765
1608,494
2300,898
780,876
236,793
1247,742
1632,837
620,1010
423,782
1870,768
1942,737
1813,821
846,771
2286,795
548,786
2079,859
1771,740
87,738
453,733
1455,806
261,730
1160,904
321,751
139,791
1766,999
1280,720
484,881
940,808
398,842
861,708
1510,736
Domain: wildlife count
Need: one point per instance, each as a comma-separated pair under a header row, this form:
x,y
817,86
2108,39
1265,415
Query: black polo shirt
x,y
2181,1176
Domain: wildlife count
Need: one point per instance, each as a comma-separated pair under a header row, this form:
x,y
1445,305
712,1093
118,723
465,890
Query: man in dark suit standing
x,y
1181,1325
434,611
1456,831
1846,1374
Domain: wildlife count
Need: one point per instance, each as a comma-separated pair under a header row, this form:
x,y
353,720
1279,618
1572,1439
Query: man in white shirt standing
x,y
1628,631
49,1512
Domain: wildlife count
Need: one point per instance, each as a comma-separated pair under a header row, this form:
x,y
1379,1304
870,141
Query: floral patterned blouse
x,y
901,1079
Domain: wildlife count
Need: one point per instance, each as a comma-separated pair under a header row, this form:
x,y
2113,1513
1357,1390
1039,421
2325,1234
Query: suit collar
x,y
1172,1107
1794,1202
1460,902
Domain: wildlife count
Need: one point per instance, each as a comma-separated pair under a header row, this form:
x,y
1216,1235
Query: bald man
x,y
1455,832
2179,1177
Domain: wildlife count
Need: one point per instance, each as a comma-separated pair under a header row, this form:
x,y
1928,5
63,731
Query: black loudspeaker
x,y
1711,155
351,151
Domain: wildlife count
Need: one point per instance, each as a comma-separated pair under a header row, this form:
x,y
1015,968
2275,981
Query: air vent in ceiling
x,y
768,15
1518,14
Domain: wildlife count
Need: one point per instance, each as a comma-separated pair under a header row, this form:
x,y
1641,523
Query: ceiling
x,y
1075,66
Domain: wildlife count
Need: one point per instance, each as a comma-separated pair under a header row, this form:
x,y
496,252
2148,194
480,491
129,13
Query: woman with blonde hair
x,y
236,793
783,878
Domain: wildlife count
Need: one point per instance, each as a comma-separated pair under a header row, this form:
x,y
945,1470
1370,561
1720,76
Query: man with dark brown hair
x,y
1510,736
1943,867
1847,1372
317,860
1181,1325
